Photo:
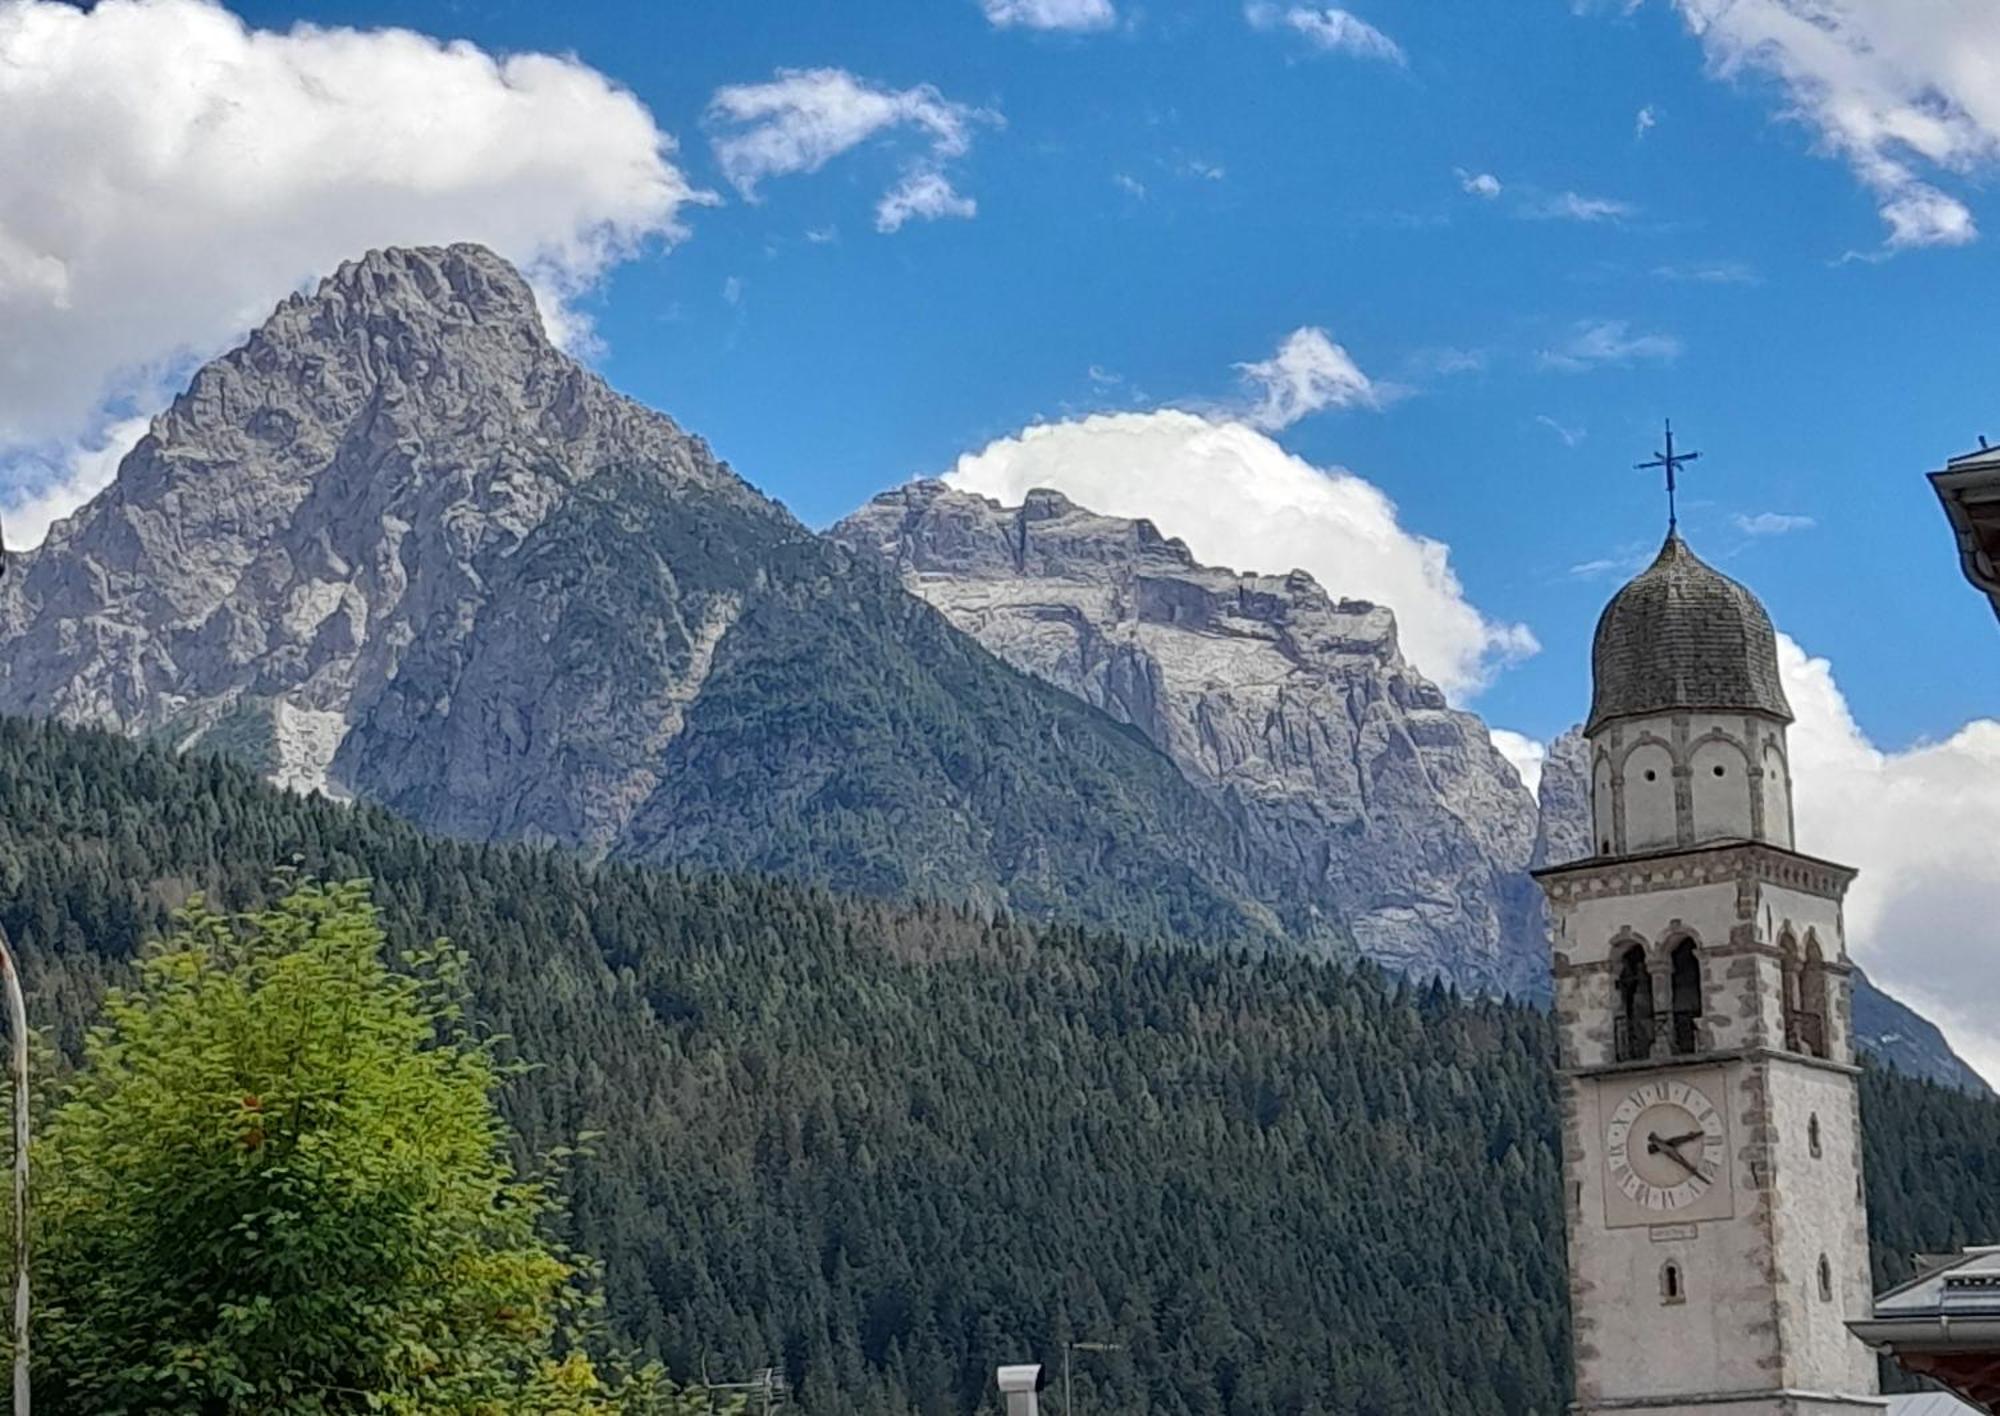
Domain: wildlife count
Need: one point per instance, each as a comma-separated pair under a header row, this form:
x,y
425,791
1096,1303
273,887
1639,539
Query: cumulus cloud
x,y
168,173
1592,344
1329,30
1050,14
1924,917
1644,123
1901,89
804,118
923,195
1308,374
1524,752
1479,184
1240,500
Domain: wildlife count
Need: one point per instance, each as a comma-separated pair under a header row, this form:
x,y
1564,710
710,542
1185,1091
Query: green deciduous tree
x,y
278,1183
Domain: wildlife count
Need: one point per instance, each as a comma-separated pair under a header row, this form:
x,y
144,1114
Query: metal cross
x,y
1673,462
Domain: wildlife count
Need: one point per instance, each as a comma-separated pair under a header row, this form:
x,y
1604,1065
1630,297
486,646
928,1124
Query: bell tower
x,y
1718,1239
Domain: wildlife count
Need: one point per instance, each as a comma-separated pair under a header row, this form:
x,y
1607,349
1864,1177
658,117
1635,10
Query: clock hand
x,y
1655,1146
1678,1141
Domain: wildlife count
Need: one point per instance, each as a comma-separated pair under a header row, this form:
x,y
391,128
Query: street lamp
x,y
1069,1404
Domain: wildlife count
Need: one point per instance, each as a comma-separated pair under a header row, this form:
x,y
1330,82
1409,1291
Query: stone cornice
x,y
1686,1061
1725,862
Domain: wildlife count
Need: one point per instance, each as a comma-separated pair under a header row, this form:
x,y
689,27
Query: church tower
x,y
1718,1241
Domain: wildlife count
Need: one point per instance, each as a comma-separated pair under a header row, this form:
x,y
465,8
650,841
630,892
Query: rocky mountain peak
x,y
325,507
1295,709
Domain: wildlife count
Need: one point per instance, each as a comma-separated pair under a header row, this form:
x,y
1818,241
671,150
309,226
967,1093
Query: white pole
x,y
17,1020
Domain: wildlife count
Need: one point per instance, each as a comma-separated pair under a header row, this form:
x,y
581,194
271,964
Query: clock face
x,y
1664,1146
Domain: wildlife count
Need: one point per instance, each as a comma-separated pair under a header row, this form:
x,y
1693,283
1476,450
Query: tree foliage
x,y
278,1182
885,1148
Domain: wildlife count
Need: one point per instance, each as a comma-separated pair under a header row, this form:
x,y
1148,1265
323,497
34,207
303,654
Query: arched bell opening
x,y
1686,998
1811,1030
1632,1029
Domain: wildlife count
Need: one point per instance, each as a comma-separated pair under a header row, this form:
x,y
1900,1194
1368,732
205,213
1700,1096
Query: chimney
x,y
1019,1386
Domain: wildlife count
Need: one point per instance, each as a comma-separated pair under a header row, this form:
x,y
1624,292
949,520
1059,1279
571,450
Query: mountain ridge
x,y
397,545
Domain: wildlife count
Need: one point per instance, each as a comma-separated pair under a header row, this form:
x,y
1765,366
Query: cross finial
x,y
1673,462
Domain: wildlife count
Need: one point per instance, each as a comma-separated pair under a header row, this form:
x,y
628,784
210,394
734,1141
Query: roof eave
x,y
1970,494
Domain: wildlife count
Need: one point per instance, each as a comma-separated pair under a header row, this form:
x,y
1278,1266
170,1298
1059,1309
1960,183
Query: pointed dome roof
x,y
1682,635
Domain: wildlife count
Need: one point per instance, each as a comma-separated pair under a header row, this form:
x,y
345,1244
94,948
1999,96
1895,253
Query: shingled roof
x,y
1682,635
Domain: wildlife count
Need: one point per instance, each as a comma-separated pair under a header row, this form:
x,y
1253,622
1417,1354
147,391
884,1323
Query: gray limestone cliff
x,y
398,546
1294,710
308,560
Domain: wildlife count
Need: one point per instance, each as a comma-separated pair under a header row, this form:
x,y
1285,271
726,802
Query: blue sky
x,y
1475,253
1286,186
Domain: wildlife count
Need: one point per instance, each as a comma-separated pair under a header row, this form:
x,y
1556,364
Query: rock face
x,y
399,546
1562,827
1293,711
324,556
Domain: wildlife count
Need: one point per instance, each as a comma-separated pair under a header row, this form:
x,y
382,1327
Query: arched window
x,y
1825,1280
1686,996
1812,1135
1812,1001
1671,1288
1632,1029
1788,962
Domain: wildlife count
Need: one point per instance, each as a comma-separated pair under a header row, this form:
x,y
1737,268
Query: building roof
x,y
1929,1403
1969,487
1682,635
1945,1324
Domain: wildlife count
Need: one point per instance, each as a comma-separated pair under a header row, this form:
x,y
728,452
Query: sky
x,y
1398,293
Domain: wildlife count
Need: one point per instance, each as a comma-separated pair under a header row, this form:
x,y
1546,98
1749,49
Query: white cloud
x,y
1904,90
1709,273
1772,523
732,290
924,194
1644,123
1240,500
1308,374
1479,184
1130,185
79,472
804,118
168,173
1924,916
1594,343
1572,206
1050,14
1570,436
1524,752
1331,30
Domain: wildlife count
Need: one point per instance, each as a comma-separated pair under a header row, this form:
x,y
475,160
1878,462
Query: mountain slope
x,y
888,1147
399,546
1295,712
